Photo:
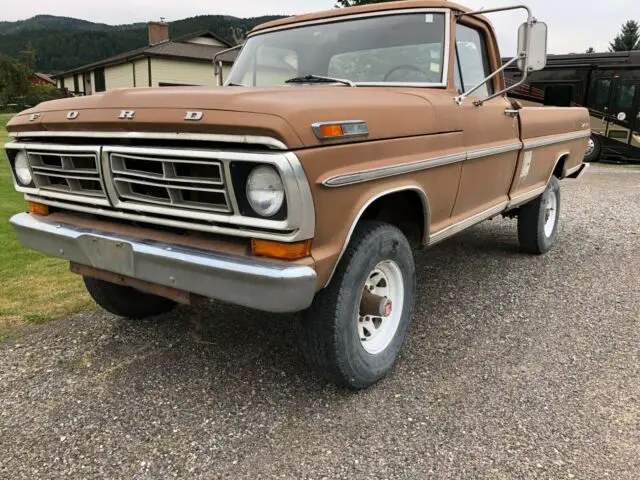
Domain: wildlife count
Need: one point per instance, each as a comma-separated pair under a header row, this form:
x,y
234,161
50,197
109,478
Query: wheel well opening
x,y
403,209
558,171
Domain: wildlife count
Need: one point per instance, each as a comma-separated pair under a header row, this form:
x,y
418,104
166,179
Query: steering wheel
x,y
405,67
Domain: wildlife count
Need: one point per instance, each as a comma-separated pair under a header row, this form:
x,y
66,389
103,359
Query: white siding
x,y
206,41
226,70
142,73
118,76
68,83
181,72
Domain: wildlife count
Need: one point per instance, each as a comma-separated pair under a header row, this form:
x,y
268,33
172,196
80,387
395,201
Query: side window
x,y
599,95
624,96
472,61
558,95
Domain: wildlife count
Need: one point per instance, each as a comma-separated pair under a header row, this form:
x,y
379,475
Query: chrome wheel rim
x,y
550,213
591,146
375,332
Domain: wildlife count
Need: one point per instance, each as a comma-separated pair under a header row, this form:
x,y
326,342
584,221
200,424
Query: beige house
x,y
180,62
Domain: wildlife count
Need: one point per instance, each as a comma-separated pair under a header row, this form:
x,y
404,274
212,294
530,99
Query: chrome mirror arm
x,y
217,64
460,98
523,55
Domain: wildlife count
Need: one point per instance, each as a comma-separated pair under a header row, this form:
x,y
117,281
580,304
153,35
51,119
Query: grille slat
x,y
184,184
67,172
174,181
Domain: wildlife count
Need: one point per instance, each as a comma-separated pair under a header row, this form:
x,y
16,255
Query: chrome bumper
x,y
271,286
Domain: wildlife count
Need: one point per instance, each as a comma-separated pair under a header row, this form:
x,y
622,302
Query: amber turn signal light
x,y
38,208
332,130
283,251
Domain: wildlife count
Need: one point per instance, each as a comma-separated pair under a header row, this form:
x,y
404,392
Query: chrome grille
x,y
172,180
67,172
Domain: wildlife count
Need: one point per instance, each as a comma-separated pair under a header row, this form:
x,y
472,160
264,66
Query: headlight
x,y
21,167
265,191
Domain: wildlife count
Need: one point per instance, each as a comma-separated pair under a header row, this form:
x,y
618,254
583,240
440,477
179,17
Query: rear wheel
x,y
538,220
126,301
355,328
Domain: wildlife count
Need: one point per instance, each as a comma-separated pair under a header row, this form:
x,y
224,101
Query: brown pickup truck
x,y
341,142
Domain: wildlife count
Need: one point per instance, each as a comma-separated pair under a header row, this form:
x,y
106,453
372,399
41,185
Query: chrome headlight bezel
x,y
21,169
265,191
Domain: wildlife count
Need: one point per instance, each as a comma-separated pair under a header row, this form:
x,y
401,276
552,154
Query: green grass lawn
x,y
34,288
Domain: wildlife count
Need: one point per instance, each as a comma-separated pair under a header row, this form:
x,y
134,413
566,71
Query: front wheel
x,y
126,301
355,328
538,220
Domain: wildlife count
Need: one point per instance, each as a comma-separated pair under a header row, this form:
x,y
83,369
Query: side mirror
x,y
532,39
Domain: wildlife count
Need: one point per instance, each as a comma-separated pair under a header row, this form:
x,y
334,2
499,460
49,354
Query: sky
x,y
574,25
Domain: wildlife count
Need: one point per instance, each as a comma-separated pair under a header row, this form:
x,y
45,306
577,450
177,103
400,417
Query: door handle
x,y
511,112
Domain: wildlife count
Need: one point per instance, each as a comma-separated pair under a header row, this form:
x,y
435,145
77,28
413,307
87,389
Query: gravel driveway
x,y
516,367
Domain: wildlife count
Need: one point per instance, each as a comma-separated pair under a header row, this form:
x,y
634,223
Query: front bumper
x,y
271,286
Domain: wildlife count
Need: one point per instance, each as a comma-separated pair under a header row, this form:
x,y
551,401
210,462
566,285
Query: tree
x,y
628,39
590,50
14,81
354,3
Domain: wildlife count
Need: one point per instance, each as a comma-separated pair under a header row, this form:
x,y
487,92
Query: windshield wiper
x,y
320,79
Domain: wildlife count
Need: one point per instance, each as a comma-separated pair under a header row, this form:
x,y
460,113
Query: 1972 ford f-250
x,y
341,141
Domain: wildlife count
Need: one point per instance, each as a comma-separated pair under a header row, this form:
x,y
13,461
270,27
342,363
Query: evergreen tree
x,y
628,39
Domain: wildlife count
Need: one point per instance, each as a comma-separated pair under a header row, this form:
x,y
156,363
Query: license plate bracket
x,y
110,255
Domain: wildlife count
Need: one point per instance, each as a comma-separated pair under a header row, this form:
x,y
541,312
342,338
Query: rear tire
x,y
538,220
594,149
126,301
344,345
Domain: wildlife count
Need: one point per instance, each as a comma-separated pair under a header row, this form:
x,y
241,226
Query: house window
x,y
99,80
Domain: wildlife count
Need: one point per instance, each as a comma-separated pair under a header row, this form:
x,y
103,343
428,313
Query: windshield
x,y
402,48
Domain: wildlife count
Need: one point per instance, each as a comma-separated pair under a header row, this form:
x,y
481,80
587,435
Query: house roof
x,y
44,77
178,48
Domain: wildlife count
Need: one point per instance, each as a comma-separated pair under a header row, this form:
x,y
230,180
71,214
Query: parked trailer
x,y
608,84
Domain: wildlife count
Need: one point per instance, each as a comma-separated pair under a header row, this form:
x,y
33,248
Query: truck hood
x,y
285,113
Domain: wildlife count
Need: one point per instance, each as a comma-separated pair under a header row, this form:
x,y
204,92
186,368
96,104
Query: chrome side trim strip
x,y
564,137
425,207
381,13
486,152
525,197
383,172
466,223
272,286
200,137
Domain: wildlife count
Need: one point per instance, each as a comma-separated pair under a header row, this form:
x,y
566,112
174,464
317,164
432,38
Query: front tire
x,y
126,301
538,220
345,345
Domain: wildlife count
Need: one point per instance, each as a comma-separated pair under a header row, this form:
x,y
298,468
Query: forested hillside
x,y
62,43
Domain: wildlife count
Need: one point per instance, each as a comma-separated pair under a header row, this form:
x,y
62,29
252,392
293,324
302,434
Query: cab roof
x,y
375,7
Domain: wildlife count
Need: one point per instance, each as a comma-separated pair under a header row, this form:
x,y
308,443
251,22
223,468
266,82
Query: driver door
x,y
490,133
